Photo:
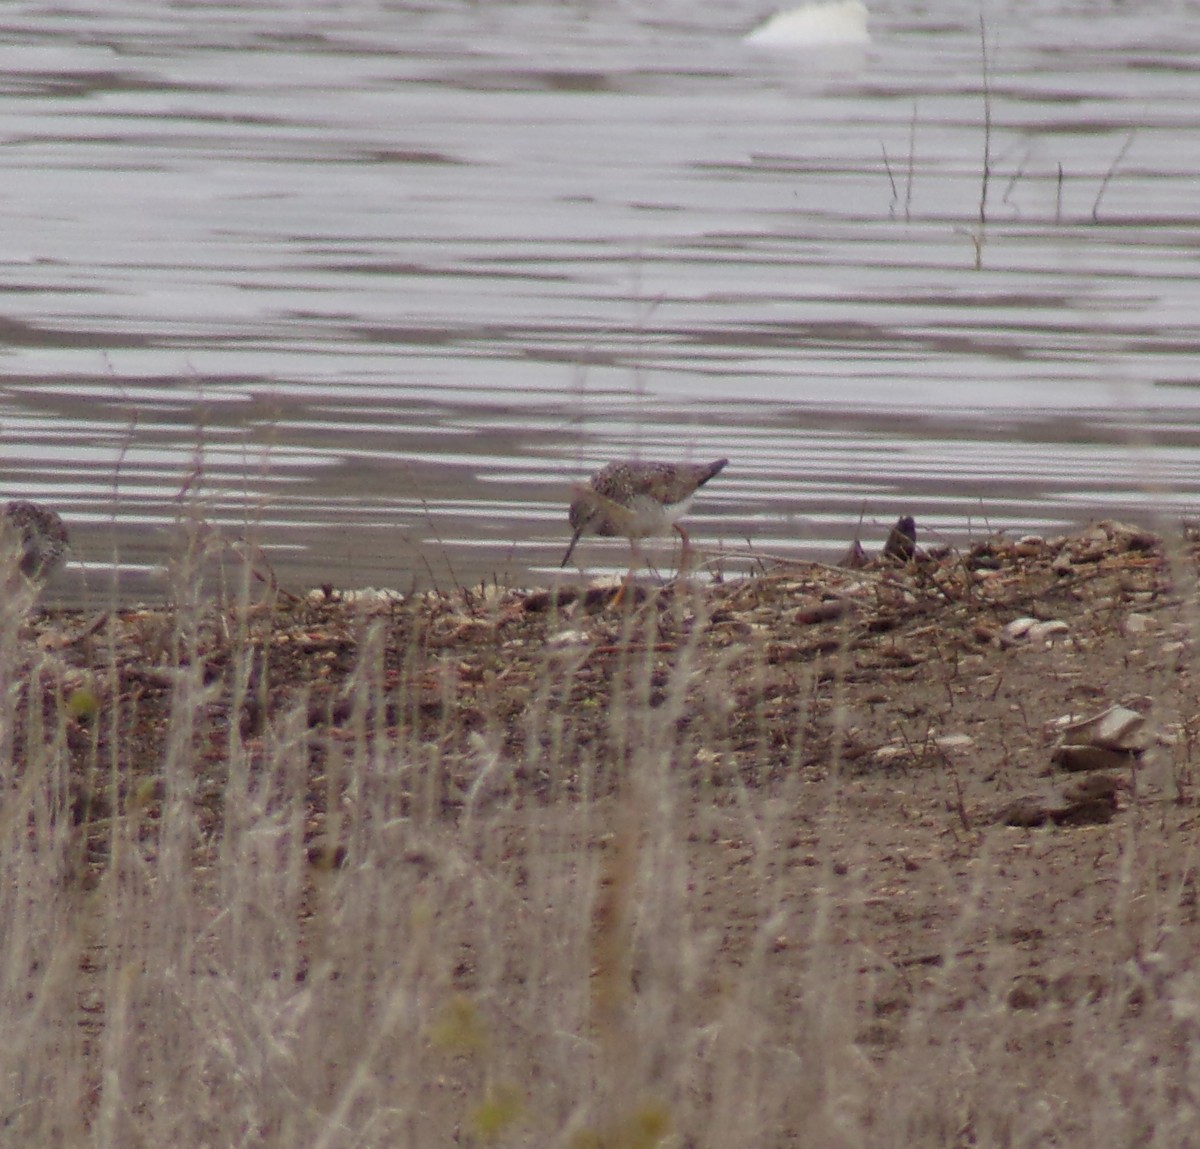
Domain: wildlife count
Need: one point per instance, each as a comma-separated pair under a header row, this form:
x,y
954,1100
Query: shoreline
x,y
838,786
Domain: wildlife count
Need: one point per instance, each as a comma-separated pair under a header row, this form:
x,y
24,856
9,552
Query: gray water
x,y
370,284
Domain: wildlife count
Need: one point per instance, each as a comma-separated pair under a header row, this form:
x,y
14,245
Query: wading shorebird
x,y
33,540
636,500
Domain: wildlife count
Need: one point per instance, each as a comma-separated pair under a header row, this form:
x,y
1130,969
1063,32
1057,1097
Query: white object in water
x,y
838,23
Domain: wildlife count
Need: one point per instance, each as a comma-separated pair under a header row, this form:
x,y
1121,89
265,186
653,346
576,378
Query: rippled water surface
x,y
370,284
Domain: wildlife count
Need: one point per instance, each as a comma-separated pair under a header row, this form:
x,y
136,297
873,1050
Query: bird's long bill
x,y
571,548
601,514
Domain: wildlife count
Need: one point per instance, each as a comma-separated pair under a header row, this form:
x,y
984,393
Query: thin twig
x,y
433,530
912,162
1012,183
1108,175
987,126
887,167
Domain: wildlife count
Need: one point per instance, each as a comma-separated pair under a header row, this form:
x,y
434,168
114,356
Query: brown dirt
x,y
873,723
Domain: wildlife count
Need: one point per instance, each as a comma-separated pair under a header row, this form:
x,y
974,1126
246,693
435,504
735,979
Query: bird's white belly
x,y
651,517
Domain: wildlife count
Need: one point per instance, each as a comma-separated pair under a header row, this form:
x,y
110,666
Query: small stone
x,y
1078,758
1029,810
1136,624
1019,627
954,742
1091,812
1028,992
1093,787
1047,631
1117,728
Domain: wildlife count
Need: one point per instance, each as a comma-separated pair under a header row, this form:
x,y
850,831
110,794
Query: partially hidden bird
x,y
33,540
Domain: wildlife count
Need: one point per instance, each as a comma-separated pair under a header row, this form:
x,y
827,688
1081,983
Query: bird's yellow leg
x,y
684,549
636,559
616,598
